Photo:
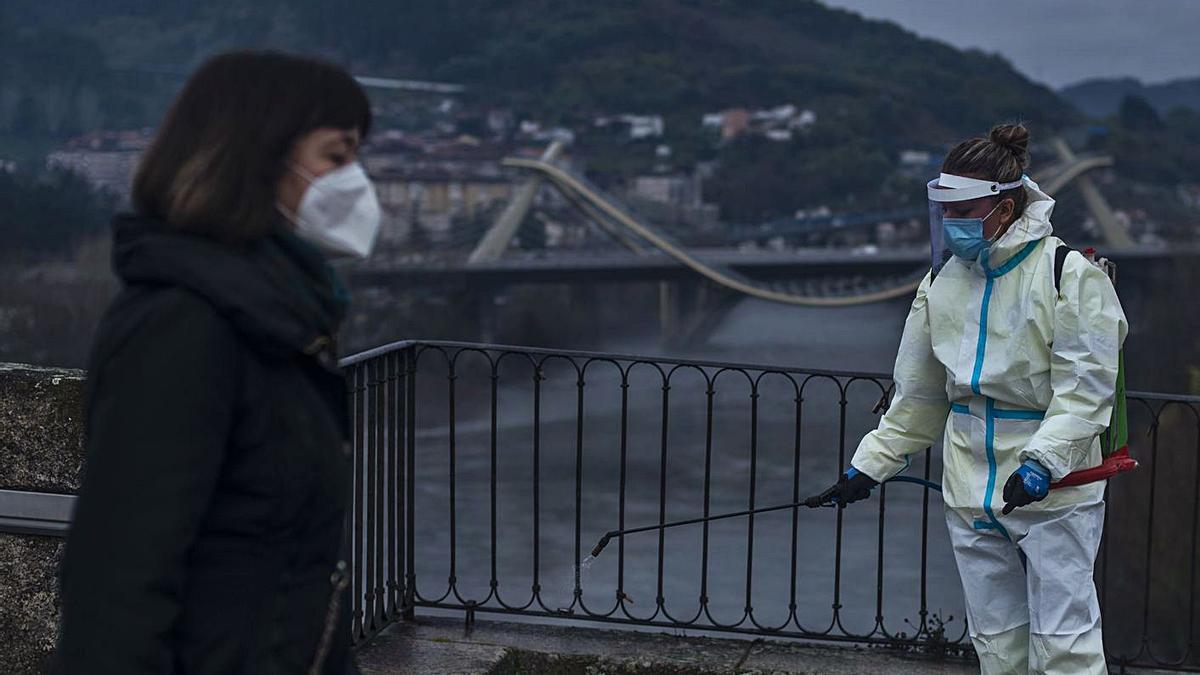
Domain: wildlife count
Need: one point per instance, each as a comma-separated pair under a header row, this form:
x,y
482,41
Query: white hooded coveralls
x,y
1010,369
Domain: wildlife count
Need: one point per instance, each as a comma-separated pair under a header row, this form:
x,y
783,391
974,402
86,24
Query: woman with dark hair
x,y
208,533
1011,351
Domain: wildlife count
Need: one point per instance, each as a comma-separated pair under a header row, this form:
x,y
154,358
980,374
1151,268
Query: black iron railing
x,y
380,520
1146,571
484,475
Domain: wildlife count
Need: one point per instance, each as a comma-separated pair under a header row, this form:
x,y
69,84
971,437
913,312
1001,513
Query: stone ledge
x,y
41,446
41,428
437,646
29,603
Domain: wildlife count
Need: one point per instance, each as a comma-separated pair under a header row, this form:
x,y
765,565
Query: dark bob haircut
x,y
216,160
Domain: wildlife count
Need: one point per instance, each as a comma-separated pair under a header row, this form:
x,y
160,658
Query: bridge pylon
x,y
1114,234
496,239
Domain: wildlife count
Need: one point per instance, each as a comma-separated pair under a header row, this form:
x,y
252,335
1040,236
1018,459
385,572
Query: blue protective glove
x,y
1028,484
851,487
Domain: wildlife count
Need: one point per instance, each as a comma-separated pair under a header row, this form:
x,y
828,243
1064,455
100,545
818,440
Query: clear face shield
x,y
946,189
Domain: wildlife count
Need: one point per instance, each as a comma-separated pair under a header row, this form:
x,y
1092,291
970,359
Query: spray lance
x,y
822,500
1118,463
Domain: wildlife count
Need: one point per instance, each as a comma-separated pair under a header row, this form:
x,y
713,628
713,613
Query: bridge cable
x,y
566,180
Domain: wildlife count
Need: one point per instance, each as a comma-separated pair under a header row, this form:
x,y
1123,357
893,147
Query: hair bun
x,y
1014,138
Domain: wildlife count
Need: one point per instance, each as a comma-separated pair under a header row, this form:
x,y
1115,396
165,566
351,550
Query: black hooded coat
x,y
208,531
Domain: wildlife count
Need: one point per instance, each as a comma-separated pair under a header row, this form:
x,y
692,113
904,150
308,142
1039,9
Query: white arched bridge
x,y
642,238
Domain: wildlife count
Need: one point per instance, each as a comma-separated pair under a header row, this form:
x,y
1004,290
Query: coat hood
x,y
278,292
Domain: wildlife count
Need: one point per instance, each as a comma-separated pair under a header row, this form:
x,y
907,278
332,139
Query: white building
x,y
106,159
805,119
639,126
108,170
644,126
776,124
679,189
915,158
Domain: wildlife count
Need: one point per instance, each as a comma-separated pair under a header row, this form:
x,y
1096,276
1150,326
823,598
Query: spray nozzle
x,y
602,543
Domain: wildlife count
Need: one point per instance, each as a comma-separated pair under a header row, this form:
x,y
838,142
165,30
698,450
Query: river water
x,y
859,339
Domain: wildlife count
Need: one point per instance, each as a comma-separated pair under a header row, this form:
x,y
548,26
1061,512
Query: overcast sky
x,y
1060,42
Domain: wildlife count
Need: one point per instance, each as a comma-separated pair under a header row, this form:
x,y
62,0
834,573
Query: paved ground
x,y
441,646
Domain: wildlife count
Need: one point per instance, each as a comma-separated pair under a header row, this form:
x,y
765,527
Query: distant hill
x,y
570,58
1102,97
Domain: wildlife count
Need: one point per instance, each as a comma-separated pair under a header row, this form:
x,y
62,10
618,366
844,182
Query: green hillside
x,y
68,66
562,58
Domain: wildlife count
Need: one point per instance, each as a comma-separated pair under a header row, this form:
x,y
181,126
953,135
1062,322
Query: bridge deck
x,y
625,266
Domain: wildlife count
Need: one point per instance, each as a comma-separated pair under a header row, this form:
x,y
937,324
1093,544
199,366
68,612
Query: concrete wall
x,y
41,450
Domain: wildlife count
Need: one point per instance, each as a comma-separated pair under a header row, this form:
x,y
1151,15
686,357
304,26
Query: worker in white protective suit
x,y
1020,379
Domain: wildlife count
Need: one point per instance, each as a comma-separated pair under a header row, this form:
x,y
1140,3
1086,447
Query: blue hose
x,y
916,481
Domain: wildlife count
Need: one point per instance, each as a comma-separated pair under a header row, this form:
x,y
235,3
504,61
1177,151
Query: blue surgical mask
x,y
964,236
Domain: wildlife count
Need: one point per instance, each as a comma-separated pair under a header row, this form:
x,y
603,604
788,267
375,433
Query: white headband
x,y
951,188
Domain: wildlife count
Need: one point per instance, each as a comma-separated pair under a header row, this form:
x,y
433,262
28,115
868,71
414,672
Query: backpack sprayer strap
x,y
1116,452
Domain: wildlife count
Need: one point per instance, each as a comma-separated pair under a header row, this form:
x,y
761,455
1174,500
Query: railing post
x,y
370,475
394,489
356,556
409,480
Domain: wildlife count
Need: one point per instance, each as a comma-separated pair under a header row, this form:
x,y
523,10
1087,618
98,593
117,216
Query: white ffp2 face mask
x,y
339,212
